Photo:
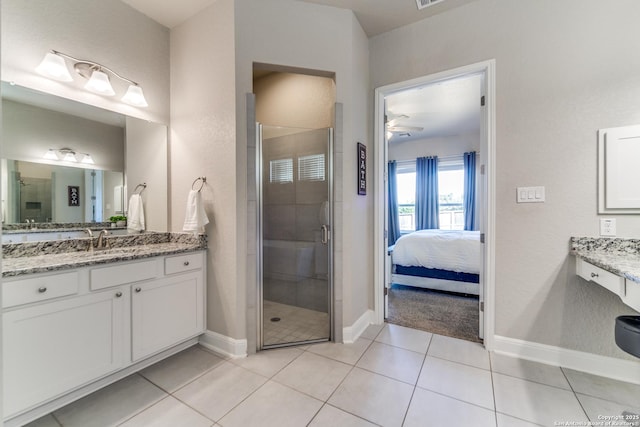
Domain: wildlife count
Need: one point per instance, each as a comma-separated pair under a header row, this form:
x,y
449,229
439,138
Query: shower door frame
x,y
260,243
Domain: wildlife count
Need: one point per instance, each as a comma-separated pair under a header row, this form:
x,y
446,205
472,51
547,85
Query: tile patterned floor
x,y
296,324
392,376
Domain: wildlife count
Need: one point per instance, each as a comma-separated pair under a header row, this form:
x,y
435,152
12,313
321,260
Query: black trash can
x,y
628,334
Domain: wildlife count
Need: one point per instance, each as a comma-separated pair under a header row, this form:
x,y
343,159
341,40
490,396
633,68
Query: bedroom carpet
x,y
436,312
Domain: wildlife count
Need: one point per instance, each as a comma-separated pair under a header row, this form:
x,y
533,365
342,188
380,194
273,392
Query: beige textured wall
x,y
203,143
108,32
295,100
563,70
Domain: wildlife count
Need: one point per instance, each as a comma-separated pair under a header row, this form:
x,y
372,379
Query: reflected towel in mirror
x,y
195,217
135,218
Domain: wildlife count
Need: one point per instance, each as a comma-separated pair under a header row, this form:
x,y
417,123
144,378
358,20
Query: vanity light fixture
x,y
87,159
67,155
51,155
54,66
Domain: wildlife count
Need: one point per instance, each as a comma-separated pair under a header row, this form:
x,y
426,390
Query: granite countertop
x,y
40,257
617,256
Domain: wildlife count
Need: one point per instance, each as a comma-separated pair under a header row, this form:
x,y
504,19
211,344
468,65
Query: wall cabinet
x,y
618,174
64,331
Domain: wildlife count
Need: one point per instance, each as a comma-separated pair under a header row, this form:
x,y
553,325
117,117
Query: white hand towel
x,y
135,219
195,217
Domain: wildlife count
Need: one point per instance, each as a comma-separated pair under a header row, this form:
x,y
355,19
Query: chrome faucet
x,y
102,241
90,233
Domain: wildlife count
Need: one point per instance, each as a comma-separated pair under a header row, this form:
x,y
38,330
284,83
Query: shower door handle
x,y
325,234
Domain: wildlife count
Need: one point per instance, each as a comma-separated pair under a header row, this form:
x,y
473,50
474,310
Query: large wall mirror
x,y
67,162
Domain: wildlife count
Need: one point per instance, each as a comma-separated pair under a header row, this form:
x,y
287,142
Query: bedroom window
x,y
406,180
451,194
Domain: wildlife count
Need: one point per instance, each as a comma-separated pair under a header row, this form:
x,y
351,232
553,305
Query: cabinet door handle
x,y
138,289
594,274
118,294
186,263
42,289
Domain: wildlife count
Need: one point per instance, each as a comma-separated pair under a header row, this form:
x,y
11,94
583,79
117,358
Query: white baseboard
x,y
610,367
353,332
224,345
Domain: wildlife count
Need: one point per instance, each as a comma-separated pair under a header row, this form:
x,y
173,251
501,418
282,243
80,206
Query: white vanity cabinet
x,y
627,290
64,331
164,312
53,347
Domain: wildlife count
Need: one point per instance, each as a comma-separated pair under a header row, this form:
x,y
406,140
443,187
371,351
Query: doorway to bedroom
x,y
433,213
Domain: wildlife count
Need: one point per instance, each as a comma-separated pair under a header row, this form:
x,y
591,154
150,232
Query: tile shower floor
x,y
391,376
287,323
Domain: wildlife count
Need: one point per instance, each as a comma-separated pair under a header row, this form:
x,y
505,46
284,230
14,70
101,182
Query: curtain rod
x,y
455,156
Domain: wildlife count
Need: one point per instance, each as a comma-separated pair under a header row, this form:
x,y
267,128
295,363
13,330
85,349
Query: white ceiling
x,y
169,12
446,108
375,16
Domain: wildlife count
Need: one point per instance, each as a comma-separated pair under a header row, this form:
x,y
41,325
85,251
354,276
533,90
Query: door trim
x,y
488,217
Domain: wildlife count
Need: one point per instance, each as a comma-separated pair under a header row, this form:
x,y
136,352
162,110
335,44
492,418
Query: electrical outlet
x,y
607,226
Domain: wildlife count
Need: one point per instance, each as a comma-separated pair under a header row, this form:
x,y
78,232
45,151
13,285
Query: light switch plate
x,y
530,195
607,226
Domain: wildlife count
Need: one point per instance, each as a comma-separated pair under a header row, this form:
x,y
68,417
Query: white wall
x,y
563,70
203,143
107,32
146,162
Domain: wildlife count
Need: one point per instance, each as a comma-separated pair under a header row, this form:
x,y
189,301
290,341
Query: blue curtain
x,y
470,221
427,206
394,220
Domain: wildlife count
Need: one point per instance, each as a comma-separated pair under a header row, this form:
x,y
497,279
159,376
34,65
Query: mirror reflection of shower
x,y
39,193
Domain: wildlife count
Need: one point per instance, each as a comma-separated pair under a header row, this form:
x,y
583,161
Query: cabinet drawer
x,y
120,274
600,276
178,264
38,289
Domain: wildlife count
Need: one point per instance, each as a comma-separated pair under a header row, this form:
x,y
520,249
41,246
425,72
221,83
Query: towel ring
x,y
143,185
200,178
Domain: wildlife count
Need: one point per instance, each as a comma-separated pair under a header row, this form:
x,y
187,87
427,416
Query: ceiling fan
x,y
393,124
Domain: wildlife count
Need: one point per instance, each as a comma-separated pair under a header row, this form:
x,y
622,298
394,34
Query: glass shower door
x,y
295,245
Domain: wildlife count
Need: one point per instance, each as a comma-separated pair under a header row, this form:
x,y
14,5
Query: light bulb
x,y
50,155
99,83
87,159
55,67
135,97
70,156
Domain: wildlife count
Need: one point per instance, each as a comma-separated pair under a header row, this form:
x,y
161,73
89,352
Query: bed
x,y
437,259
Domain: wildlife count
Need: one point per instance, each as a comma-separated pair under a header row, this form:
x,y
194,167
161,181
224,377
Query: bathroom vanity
x,y
74,318
611,263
